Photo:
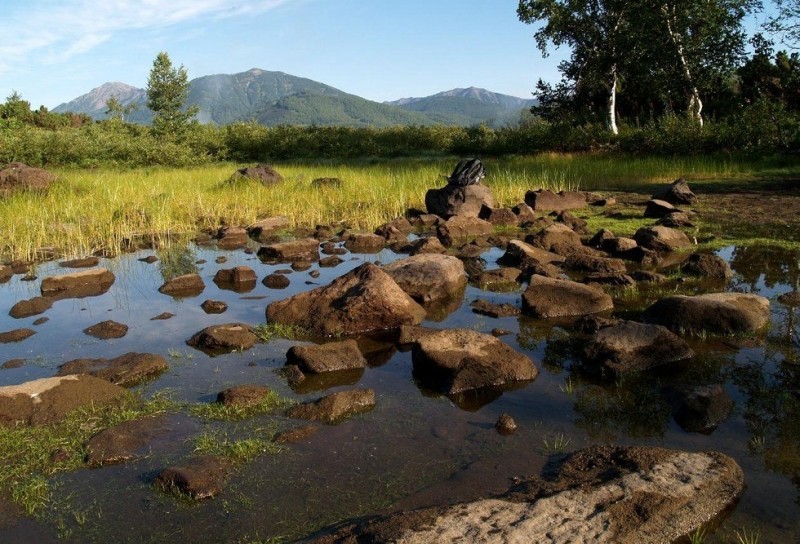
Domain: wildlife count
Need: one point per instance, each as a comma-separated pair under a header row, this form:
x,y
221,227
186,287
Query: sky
x,y
52,51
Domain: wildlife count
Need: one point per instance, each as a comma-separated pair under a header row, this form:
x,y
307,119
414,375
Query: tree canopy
x,y
167,91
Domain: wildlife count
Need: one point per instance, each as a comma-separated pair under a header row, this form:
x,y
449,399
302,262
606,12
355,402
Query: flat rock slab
x,y
187,285
87,283
603,494
557,238
628,346
335,407
17,335
225,338
86,262
298,434
365,299
715,313
29,307
454,361
200,478
125,441
548,297
126,370
365,243
429,278
546,200
243,396
462,227
328,357
581,262
47,400
306,249
106,330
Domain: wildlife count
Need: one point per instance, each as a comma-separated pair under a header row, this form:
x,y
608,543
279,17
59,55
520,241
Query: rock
x,y
662,239
581,262
335,407
602,494
616,279
462,227
707,266
86,262
715,313
221,259
298,434
243,396
319,183
162,316
200,478
150,259
187,285
454,361
430,277
618,246
224,338
326,357
214,306
545,200
106,330
395,230
365,299
524,213
575,223
365,243
500,279
659,208
600,237
701,409
48,400
557,238
410,334
505,424
301,266
520,254
17,335
13,363
41,321
451,200
239,278
331,261
676,219
546,298
603,202
33,306
791,298
125,441
499,216
484,307
232,238
87,283
16,176
263,229
262,173
678,192
276,281
329,248
427,245
6,273
628,346
306,249
546,270
126,370
641,255
645,276
426,221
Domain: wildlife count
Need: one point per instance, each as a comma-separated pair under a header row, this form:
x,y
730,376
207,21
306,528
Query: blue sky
x,y
52,51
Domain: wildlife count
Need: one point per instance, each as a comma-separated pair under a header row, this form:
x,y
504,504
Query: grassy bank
x,y
99,209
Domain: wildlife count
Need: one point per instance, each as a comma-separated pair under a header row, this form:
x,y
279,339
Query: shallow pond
x,y
416,448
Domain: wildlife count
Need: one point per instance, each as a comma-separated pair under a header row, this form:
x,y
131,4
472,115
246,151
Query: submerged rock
x,y
107,329
547,297
17,335
243,396
124,441
187,285
715,313
85,262
200,478
484,307
328,357
87,283
226,337
428,278
506,425
702,408
126,370
298,434
335,407
365,299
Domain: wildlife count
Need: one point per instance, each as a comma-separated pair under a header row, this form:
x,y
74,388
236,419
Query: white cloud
x,y
55,33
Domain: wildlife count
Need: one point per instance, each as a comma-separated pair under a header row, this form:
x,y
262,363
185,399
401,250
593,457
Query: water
x,y
417,448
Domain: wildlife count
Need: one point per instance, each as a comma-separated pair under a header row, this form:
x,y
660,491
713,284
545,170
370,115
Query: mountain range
x,y
276,98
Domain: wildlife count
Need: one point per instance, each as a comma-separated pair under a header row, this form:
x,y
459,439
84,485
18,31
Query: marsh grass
x,y
241,450
106,209
216,411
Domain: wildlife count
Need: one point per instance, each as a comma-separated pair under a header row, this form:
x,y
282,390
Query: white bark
x,y
695,104
612,102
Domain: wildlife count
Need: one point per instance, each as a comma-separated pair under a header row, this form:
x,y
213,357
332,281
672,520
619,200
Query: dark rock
x,y
557,238
16,176
323,232
294,375
462,227
628,346
33,306
500,332
187,285
619,246
331,261
335,407
429,278
126,370
500,279
314,274
306,249
537,224
427,245
298,434
221,259
200,478
214,306
329,248
546,298
410,334
13,363
301,266
263,229
17,335
676,220
484,307
106,330
426,221
791,298
125,441
645,276
232,238
41,321
150,259
601,236
604,202
678,192
276,281
162,316
6,273
224,338
546,270
641,255
363,300
243,396
499,216
451,200
395,230
520,254
328,357
262,173
657,209
454,361
575,223
581,262
48,400
524,213
365,243
87,283
545,200
240,279
505,424
662,239
320,183
617,279
701,409
707,266
715,313
86,262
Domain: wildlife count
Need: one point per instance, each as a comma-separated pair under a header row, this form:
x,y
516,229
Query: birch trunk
x,y
695,104
612,102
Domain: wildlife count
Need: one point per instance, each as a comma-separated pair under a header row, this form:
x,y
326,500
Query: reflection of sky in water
x,y
416,448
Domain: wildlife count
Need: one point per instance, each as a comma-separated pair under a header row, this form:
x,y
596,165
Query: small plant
x,y
557,443
216,411
747,537
568,387
268,331
239,451
178,354
698,536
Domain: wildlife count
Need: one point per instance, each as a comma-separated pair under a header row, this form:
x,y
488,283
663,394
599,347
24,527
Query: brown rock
x,y
17,176
524,213
200,478
662,239
707,266
162,316
365,243
214,306
276,281
410,334
505,425
187,285
499,279
125,441
520,254
701,409
262,173
545,200
87,283
678,192
581,262
86,262
17,335
224,338
451,200
484,307
126,370
298,434
430,277
427,245
557,238
715,313
328,357
499,216
243,396
13,363
462,227
306,249
335,407
232,237
262,229
107,329
658,208
546,298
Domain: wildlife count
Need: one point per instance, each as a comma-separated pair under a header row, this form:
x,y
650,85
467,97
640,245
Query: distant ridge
x,y
275,98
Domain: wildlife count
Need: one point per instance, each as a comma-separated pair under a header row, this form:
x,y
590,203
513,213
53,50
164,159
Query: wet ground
x,y
416,448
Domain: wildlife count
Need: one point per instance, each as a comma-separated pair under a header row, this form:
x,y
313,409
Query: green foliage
x,y
217,411
239,451
167,91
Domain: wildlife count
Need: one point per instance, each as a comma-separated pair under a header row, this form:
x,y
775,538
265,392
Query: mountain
x,y
469,106
274,98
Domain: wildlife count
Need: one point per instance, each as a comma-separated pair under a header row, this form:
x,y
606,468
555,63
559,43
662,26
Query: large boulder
x,y
429,277
306,249
365,299
557,238
328,357
87,283
662,239
546,200
199,478
547,297
628,346
707,266
48,400
452,200
521,254
715,313
454,361
186,285
17,176
702,408
126,370
263,173
335,407
602,494
678,192
462,227
582,262
224,338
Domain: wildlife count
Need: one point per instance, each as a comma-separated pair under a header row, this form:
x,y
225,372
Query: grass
x,y
164,203
239,451
216,411
269,331
747,537
557,443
